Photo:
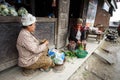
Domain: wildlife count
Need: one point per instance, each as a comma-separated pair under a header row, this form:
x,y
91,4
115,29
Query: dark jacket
x,y
73,33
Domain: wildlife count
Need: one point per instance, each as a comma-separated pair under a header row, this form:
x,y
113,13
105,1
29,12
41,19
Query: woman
x,y
32,54
77,36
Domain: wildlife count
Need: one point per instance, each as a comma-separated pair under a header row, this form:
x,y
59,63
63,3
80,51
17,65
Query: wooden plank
x,y
17,19
9,19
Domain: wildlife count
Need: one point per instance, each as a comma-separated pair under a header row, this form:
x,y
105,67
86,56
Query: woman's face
x,y
79,25
32,27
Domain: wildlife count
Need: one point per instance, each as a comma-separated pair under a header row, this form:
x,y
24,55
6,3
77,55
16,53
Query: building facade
x,y
54,18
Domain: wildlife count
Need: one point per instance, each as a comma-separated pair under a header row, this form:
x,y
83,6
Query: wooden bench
x,y
96,36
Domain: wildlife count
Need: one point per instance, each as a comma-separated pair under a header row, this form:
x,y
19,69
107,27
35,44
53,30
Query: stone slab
x,y
105,56
70,67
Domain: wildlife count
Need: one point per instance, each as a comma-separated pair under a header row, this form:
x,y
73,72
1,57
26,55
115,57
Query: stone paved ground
x,y
96,69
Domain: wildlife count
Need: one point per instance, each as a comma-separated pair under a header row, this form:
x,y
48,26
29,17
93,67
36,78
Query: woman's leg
x,y
84,44
43,62
71,45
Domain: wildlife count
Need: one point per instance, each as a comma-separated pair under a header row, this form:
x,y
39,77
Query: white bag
x,y
57,57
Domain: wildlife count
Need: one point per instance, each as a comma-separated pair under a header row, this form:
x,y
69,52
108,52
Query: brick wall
x,y
102,16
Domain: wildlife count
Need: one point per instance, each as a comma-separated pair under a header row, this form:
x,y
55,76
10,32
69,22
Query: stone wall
x,y
9,30
8,51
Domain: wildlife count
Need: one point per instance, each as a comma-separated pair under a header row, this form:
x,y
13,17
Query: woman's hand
x,y
79,42
46,42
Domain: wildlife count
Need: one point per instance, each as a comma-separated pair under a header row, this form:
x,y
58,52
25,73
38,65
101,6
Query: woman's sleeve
x,y
33,46
73,35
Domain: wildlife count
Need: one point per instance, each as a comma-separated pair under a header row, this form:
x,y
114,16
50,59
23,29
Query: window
x,y
106,7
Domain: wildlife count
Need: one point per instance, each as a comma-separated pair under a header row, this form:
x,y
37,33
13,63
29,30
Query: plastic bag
x,y
81,53
56,56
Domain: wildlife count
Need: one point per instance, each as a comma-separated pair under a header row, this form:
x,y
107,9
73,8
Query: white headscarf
x,y
28,19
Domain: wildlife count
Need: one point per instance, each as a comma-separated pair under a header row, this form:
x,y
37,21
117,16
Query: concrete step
x,y
106,57
70,67
107,52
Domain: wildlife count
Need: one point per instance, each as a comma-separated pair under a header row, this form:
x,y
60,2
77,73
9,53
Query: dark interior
x,y
44,8
76,8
